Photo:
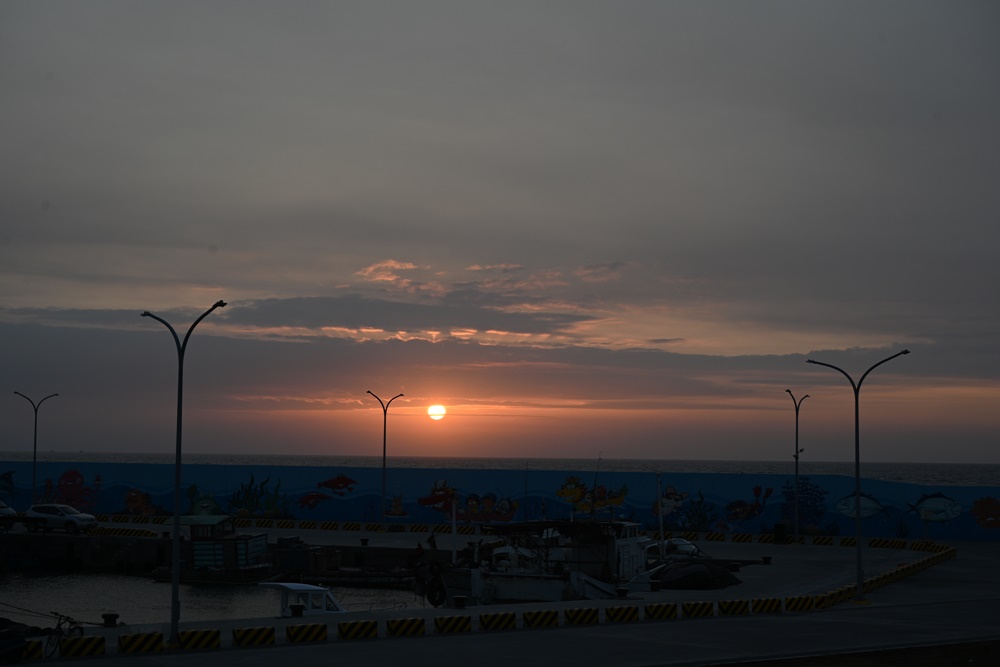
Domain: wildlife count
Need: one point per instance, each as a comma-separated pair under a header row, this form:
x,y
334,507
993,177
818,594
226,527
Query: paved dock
x,y
954,600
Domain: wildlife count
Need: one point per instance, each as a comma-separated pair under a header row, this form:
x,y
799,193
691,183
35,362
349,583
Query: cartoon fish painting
x,y
987,512
339,484
312,499
936,507
869,506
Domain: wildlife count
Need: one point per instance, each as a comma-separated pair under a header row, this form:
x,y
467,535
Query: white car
x,y
6,510
59,516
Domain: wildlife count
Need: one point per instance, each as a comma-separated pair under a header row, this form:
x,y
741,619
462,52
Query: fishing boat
x,y
544,561
304,599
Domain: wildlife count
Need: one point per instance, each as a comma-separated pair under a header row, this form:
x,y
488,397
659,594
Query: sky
x,y
587,229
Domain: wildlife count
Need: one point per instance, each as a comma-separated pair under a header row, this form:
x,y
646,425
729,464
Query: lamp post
x,y
34,443
385,415
796,457
857,461
175,565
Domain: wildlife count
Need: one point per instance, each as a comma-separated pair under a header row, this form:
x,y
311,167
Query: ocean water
x,y
927,474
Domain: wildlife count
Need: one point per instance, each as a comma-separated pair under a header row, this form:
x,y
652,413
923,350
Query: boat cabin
x,y
304,599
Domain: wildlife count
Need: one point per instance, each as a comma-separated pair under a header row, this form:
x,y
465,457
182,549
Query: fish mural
x,y
739,511
341,484
936,507
312,499
987,512
583,499
870,506
440,498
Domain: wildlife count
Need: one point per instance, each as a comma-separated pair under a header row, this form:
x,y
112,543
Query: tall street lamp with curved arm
x,y
859,594
385,416
175,565
796,457
34,445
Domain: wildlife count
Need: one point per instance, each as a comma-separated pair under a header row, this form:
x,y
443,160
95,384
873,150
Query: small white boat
x,y
305,599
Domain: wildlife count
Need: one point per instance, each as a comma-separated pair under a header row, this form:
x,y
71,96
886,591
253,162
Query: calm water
x,y
929,474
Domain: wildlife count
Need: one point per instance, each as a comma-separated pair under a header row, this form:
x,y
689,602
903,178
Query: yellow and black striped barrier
x,y
352,525
32,650
283,524
160,519
305,632
766,538
374,528
542,618
660,611
81,647
263,523
742,537
140,518
450,625
142,642
307,525
405,627
357,630
199,639
622,614
698,609
848,542
824,600
734,607
466,530
582,616
328,525
823,540
419,528
122,532
253,636
242,522
799,603
441,528
120,518
715,537
690,535
502,620
765,606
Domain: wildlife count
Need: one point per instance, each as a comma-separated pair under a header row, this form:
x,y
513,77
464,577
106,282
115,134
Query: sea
x,y
927,474
31,598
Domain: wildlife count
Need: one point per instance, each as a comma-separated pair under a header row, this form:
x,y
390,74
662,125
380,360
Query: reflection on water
x,y
30,598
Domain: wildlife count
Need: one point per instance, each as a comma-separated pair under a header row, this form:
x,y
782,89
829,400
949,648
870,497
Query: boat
x,y
543,561
304,599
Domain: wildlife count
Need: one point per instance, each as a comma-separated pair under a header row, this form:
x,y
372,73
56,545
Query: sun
x,y
436,412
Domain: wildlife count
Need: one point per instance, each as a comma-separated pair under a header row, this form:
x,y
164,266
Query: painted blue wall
x,y
689,501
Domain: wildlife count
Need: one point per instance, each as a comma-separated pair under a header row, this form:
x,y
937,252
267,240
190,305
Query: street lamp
x,y
859,594
798,451
175,565
34,444
385,416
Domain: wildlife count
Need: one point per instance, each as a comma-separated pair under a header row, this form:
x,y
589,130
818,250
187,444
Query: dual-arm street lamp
x,y
175,579
859,594
34,445
796,457
385,416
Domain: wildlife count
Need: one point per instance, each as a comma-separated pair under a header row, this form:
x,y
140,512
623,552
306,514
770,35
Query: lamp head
x,y
145,313
219,304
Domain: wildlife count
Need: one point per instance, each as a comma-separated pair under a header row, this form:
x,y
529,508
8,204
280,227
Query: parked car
x,y
59,516
6,510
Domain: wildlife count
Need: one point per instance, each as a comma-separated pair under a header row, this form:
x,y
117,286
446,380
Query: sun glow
x,y
436,412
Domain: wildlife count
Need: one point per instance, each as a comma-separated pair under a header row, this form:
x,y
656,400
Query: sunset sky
x,y
586,228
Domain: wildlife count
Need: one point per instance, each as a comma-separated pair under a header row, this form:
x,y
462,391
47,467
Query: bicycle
x,y
66,628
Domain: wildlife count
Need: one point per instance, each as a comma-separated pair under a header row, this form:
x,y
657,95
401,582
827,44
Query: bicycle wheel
x,y
52,643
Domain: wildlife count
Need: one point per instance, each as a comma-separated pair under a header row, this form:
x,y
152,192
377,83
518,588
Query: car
x,y
6,510
59,516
